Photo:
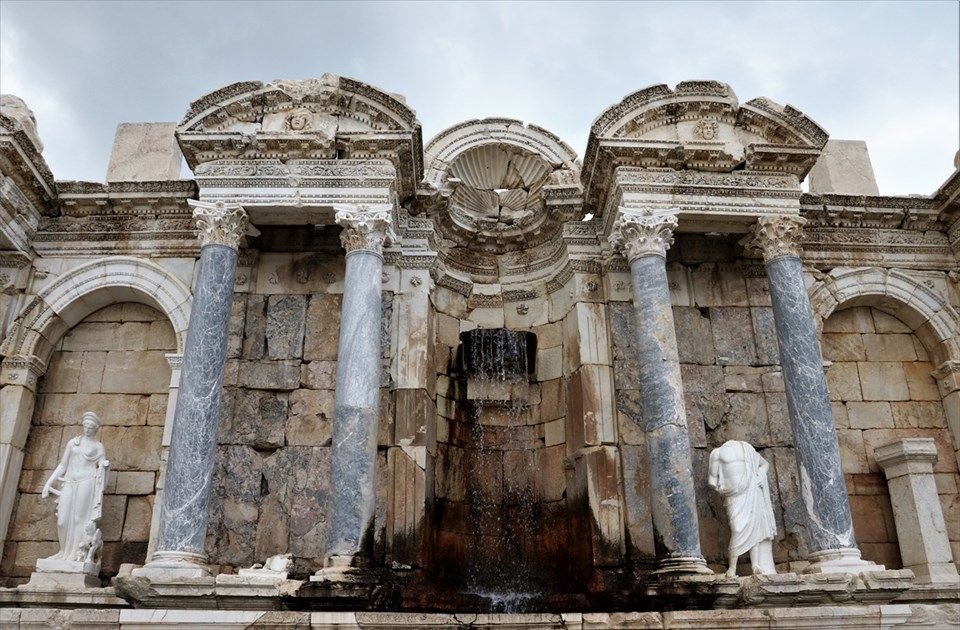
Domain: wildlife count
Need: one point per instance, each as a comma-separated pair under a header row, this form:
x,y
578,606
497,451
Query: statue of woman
x,y
739,474
83,473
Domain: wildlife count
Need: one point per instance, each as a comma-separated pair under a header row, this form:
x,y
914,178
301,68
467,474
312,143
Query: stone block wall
x,y
273,464
113,363
881,391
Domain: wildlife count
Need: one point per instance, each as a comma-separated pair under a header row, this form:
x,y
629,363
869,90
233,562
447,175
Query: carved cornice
x,y
642,233
219,223
365,228
775,237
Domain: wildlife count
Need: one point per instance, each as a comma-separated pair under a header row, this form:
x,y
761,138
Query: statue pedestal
x,y
56,573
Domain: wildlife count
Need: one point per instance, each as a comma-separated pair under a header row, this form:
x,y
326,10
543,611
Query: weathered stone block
x,y
869,415
921,384
286,315
322,328
255,327
843,381
765,335
591,406
694,336
34,519
144,152
853,454
281,375
889,347
918,415
733,333
704,398
843,347
136,372
114,513
843,168
136,524
850,320
258,419
319,374
132,448
235,328
636,500
136,483
883,381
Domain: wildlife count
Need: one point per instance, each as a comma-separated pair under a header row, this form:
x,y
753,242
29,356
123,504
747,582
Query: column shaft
x,y
193,442
356,407
193,445
829,535
356,402
822,487
676,528
644,239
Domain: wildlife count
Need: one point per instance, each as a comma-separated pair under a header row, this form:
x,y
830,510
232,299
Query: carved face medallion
x,y
299,120
707,130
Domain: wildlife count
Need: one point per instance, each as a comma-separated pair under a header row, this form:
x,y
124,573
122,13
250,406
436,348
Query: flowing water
x,y
502,508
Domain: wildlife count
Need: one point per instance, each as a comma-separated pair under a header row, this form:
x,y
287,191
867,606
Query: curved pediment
x,y
330,118
300,106
705,111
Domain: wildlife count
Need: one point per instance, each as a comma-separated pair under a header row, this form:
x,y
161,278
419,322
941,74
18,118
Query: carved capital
x,y
639,233
219,223
365,228
22,370
775,237
947,376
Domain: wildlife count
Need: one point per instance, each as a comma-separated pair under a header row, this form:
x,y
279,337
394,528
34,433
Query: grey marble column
x,y
193,444
829,525
644,239
357,396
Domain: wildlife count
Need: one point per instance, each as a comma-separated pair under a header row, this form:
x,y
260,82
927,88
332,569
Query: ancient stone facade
x,y
320,373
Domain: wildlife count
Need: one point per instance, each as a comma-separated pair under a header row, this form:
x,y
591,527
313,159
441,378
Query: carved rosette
x,y
775,237
219,223
639,233
365,229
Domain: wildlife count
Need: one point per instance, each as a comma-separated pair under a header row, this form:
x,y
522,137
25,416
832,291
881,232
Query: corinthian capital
x,y
639,233
219,223
775,236
365,228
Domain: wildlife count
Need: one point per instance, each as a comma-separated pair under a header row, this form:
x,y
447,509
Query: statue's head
x,y
91,423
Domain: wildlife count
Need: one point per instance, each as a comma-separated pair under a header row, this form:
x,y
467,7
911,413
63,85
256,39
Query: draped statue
x,y
739,474
82,475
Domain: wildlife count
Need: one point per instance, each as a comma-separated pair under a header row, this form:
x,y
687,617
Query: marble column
x,y
357,397
644,238
193,442
921,529
829,526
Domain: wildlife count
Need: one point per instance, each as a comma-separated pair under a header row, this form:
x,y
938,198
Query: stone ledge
x,y
860,617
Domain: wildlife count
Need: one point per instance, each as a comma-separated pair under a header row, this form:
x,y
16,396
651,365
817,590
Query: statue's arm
x,y
713,480
57,472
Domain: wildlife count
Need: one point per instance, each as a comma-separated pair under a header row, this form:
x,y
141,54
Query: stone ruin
x,y
349,380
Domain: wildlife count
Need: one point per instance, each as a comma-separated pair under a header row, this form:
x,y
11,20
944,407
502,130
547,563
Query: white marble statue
x,y
739,473
82,474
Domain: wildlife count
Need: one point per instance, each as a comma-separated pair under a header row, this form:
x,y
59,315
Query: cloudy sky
x,y
886,72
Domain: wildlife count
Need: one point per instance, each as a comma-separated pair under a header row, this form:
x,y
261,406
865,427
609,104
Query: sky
x,y
883,72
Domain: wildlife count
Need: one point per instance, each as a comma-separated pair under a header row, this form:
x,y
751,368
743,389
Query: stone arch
x,y
89,287
927,313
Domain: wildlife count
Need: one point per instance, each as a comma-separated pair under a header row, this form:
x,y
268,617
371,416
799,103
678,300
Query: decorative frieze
x,y
775,237
642,233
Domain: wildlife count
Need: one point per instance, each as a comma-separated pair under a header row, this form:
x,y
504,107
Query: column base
x,y
681,566
168,566
845,560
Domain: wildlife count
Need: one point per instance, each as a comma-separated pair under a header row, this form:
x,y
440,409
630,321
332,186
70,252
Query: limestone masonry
x,y
346,379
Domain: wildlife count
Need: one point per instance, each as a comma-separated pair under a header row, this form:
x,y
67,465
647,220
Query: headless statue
x,y
739,474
